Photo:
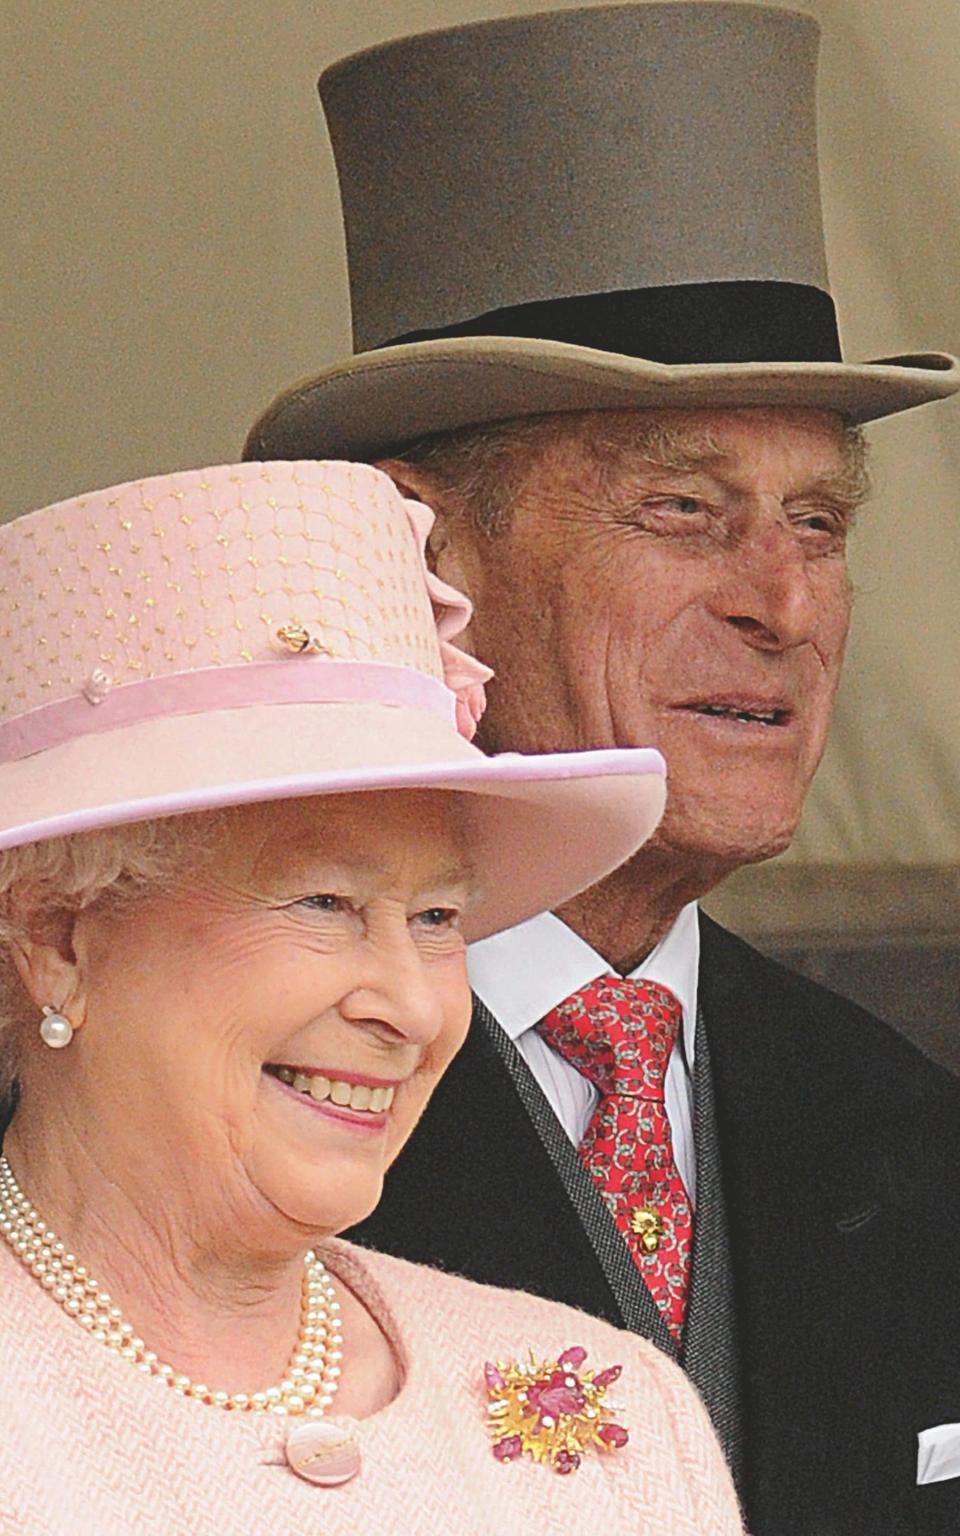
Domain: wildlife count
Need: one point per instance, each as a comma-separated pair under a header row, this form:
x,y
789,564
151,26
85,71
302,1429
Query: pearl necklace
x,y
313,1372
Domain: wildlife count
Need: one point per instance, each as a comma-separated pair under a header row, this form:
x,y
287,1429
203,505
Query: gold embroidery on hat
x,y
210,575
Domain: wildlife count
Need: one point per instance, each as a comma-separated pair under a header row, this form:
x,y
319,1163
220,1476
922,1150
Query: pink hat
x,y
258,631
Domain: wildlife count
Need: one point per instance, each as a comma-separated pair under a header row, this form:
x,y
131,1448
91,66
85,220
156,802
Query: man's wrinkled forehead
x,y
820,447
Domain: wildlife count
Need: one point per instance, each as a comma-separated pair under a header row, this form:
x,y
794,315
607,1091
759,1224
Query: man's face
x,y
699,605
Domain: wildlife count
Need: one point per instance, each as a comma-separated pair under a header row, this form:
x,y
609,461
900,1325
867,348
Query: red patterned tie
x,y
619,1033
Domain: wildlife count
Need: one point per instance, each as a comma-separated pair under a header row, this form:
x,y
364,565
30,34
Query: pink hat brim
x,y
539,828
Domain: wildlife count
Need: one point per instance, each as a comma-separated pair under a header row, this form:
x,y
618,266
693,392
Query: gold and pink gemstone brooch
x,y
551,1410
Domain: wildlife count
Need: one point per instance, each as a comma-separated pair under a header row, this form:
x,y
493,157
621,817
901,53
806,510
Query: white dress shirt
x,y
523,973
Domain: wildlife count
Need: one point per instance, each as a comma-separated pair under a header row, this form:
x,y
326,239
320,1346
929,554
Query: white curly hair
x,y
42,882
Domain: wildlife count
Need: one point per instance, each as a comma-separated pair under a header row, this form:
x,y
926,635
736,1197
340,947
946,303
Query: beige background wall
x,y
172,255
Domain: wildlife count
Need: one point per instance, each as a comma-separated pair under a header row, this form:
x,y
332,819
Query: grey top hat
x,y
585,209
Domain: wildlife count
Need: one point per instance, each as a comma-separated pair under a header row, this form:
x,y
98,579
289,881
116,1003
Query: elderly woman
x,y
244,839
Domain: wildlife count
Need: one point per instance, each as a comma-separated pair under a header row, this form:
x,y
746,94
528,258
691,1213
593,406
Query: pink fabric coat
x,y
90,1447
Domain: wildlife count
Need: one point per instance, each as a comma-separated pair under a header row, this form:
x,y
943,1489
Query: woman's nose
x,y
395,987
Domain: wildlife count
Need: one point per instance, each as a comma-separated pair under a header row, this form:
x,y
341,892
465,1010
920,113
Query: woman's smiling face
x,y
274,1025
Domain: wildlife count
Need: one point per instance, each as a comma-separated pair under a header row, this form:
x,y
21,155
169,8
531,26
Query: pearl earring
x,y
55,1030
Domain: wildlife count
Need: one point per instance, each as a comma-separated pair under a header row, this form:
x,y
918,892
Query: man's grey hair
x,y
481,470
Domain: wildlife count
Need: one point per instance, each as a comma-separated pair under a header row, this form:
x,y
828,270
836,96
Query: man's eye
x,y
686,505
824,523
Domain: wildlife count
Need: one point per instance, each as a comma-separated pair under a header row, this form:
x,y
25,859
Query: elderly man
x,y
588,276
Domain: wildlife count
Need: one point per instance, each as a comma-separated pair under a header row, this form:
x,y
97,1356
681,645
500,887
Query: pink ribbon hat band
x,y
249,632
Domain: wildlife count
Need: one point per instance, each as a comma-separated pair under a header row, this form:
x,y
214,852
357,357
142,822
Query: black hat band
x,y
736,322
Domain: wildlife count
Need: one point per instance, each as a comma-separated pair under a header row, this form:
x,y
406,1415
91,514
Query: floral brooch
x,y
551,1410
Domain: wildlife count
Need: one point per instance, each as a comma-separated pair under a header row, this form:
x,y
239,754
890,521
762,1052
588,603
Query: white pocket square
x,y
938,1453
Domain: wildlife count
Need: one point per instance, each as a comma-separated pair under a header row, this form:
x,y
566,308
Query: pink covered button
x,y
323,1452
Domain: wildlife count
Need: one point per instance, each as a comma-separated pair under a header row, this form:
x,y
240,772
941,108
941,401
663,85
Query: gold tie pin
x,y
648,1225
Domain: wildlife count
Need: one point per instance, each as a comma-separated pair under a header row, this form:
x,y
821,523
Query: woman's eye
x,y
325,902
438,917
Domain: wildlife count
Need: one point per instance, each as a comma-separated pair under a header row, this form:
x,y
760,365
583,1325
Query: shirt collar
x,y
527,970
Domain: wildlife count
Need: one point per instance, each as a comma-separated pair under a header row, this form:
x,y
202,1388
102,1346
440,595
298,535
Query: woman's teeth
x,y
346,1095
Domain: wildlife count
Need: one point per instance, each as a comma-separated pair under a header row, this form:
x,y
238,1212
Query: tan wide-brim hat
x,y
258,632
608,208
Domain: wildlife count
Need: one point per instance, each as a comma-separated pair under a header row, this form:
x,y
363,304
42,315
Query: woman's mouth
x,y
365,1098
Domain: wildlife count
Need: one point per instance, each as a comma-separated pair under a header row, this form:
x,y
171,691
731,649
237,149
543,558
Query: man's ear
x,y
451,554
410,480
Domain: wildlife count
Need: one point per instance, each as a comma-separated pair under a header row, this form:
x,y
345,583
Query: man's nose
x,y
395,991
765,591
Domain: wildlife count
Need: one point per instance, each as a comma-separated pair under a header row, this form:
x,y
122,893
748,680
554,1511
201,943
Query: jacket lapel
x,y
709,1354
636,1306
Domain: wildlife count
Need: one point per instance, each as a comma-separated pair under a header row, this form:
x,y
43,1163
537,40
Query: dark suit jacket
x,y
839,1148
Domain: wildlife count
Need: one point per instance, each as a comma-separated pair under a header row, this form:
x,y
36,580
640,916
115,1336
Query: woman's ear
x,y
50,971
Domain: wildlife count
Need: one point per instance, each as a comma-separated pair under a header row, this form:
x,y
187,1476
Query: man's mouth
x,y
746,713
374,1099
